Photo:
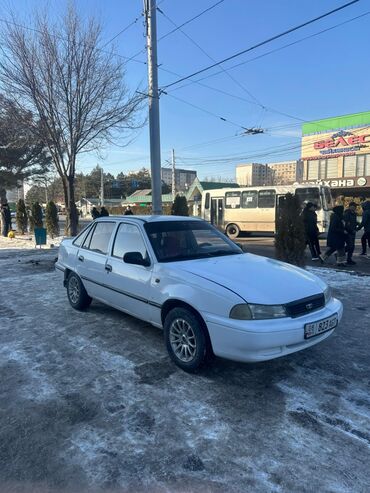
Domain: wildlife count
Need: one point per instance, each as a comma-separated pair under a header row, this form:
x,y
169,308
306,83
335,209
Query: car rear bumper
x,y
261,340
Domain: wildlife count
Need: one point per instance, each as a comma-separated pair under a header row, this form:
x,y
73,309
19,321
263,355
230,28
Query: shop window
x,y
367,165
332,168
349,168
322,169
313,170
360,165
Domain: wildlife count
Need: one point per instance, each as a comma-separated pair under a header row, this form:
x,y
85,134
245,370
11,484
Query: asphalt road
x,y
90,401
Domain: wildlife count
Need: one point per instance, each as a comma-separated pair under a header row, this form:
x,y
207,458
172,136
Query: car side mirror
x,y
136,258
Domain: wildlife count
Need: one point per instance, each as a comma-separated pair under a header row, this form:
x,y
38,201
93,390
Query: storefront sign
x,y
332,145
361,181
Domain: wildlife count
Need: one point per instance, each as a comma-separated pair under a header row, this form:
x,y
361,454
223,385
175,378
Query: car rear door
x,y
130,284
92,259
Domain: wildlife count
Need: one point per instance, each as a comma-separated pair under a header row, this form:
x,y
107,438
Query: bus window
x,y
232,200
309,195
206,205
266,199
249,199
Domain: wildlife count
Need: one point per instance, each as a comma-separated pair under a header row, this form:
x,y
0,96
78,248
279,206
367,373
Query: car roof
x,y
150,219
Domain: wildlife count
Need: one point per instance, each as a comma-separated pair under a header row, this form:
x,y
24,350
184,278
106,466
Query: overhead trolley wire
x,y
262,43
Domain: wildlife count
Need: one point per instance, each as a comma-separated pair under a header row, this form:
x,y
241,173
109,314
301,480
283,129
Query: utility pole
x,y
173,190
101,186
150,8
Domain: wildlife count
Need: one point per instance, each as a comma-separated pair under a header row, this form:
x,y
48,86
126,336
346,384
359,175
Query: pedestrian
x,y
6,219
103,212
128,211
350,225
95,213
311,230
336,237
365,223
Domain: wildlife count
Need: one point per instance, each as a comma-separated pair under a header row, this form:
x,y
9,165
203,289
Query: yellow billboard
x,y
339,143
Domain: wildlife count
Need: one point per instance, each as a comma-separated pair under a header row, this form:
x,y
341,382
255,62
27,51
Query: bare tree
x,y
59,72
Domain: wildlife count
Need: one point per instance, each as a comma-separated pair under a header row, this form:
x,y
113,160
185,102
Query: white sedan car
x,y
210,298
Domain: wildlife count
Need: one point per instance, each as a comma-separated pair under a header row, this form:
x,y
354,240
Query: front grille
x,y
304,306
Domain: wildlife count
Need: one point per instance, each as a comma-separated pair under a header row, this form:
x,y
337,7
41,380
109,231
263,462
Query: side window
x,y
128,239
206,205
80,238
232,200
266,198
87,239
249,199
101,237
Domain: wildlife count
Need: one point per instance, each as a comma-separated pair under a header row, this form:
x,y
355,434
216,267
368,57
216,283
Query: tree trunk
x,y
2,195
71,209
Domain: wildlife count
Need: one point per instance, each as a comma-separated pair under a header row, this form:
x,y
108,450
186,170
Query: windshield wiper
x,y
219,253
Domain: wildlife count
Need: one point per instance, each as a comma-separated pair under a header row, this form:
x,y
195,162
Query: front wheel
x,y
232,231
77,295
185,339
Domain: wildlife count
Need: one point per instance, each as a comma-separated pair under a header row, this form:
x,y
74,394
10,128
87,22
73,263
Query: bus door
x,y
280,199
217,212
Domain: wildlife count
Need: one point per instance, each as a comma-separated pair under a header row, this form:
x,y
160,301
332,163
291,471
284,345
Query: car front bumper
x,y
261,340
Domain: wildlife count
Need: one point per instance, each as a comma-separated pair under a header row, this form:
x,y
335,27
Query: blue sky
x,y
323,76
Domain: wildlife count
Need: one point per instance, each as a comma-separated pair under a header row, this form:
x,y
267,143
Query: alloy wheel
x,y
183,340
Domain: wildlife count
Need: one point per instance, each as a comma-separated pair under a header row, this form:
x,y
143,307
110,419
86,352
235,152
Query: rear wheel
x,y
77,295
232,231
185,339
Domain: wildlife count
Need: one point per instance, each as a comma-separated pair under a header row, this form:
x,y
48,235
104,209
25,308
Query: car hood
x,y
257,279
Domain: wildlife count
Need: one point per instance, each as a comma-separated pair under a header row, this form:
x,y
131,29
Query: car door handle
x,y
80,258
108,267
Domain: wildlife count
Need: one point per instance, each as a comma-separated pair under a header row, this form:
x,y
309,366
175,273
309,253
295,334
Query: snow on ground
x,y
341,279
27,241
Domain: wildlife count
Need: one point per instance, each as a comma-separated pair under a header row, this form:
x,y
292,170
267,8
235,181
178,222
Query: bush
x,y
21,217
51,219
290,240
180,206
36,216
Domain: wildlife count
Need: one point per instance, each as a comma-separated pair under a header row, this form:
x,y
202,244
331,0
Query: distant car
x,y
210,298
13,214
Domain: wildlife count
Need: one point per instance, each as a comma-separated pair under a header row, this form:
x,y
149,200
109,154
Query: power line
x,y
177,27
122,31
274,50
190,20
208,112
262,43
209,56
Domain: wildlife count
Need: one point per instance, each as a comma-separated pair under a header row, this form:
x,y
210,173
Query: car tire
x,y
76,292
232,231
186,340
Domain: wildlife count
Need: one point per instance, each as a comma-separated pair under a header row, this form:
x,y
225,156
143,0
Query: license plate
x,y
317,328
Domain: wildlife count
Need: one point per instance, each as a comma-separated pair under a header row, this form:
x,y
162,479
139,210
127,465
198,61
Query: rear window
x,y
80,238
101,237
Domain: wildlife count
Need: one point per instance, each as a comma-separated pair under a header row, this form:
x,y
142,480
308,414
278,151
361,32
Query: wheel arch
x,y
177,303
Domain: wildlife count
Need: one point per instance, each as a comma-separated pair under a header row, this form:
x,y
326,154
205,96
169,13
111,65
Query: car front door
x,y
129,283
92,259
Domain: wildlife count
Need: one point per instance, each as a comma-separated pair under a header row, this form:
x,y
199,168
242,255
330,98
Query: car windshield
x,y
186,240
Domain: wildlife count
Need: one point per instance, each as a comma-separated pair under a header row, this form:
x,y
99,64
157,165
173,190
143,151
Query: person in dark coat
x,y
350,225
6,219
365,223
336,236
128,211
311,230
103,212
95,213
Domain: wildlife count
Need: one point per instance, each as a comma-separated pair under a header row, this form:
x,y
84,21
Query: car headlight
x,y
248,311
327,294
